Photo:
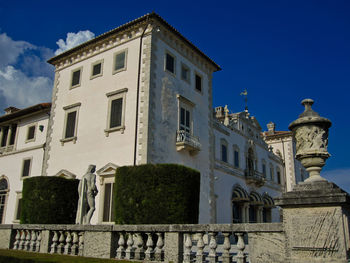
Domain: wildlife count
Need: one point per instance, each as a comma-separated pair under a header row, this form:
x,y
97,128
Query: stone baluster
x,y
121,249
212,245
17,239
32,241
139,247
75,241
23,240
200,246
54,243
159,248
149,244
188,247
68,246
81,244
38,242
241,258
129,253
60,246
28,238
226,257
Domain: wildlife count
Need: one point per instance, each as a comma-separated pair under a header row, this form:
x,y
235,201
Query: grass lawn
x,y
15,256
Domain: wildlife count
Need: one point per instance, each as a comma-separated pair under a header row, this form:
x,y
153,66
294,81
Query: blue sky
x,y
280,51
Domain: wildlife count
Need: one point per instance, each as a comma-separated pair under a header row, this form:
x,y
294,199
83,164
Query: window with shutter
x,y
198,83
120,61
70,124
170,63
116,113
26,167
31,133
5,131
76,78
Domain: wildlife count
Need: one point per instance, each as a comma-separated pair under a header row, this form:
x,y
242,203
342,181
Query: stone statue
x,y
87,192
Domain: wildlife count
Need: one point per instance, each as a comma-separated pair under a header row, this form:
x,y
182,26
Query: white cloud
x,y
21,90
72,40
25,77
340,177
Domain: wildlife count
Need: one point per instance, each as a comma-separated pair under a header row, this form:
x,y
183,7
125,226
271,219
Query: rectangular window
x,y
5,131
278,177
76,78
264,170
13,134
198,83
185,120
170,63
224,153
19,209
26,167
236,158
120,61
31,133
70,124
96,69
108,203
185,73
116,113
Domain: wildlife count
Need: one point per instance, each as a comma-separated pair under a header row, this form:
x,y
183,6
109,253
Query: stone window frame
x,y
121,93
35,125
100,61
115,54
18,198
30,167
71,77
223,142
8,146
7,192
167,52
68,109
236,149
187,105
184,66
196,73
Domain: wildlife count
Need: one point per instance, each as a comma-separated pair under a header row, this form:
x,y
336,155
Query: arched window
x,y
239,198
268,205
3,195
224,149
236,156
255,207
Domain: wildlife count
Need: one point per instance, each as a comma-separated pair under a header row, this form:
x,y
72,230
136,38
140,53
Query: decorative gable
x,y
66,174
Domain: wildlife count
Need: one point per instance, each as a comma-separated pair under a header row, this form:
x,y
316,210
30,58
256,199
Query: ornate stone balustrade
x,y
186,141
212,243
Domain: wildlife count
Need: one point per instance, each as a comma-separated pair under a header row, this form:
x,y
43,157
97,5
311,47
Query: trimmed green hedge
x,y
156,194
49,200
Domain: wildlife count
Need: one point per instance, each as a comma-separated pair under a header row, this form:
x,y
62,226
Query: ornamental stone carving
x,y
311,134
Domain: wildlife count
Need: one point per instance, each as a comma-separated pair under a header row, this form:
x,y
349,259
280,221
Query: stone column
x,y
173,247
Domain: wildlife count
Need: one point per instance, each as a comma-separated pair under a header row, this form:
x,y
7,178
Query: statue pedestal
x,y
316,222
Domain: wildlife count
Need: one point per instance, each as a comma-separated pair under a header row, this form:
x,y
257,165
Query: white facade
x,y
23,157
142,93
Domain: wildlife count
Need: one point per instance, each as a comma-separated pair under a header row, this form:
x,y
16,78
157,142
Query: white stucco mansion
x,y
142,93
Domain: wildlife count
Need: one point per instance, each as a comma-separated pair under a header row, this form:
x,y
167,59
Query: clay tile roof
x,y
25,111
276,134
139,20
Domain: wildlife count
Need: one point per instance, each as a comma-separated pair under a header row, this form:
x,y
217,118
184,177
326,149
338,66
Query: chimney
x,y
10,110
271,128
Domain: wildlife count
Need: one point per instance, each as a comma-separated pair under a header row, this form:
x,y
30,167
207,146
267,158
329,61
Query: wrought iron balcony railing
x,y
186,141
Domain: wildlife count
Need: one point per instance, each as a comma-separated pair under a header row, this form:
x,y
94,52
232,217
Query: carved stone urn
x,y
310,131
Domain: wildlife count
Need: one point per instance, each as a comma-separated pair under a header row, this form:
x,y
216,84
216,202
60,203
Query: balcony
x,y
253,177
188,142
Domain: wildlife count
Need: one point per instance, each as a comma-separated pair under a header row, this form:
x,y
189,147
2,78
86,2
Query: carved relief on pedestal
x,y
311,139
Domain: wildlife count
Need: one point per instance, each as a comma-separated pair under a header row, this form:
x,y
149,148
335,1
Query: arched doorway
x,y
240,201
3,198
